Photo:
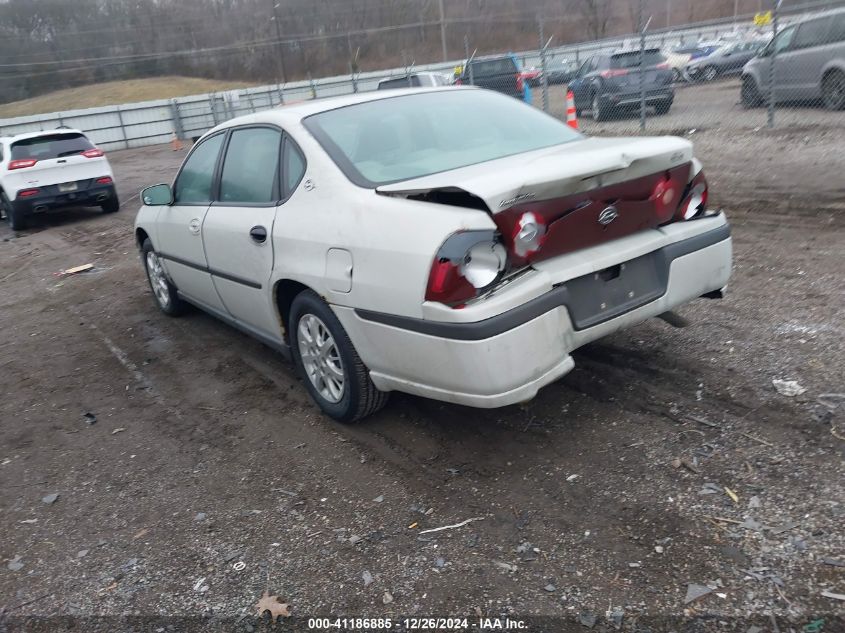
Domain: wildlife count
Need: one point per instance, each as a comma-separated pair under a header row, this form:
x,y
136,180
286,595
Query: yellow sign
x,y
763,19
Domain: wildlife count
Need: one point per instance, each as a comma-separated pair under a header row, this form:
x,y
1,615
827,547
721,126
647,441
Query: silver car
x,y
809,64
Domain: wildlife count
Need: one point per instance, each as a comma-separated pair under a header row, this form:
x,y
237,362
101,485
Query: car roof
x,y
28,135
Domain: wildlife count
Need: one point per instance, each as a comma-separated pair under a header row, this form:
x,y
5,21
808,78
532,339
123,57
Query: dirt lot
x,y
209,477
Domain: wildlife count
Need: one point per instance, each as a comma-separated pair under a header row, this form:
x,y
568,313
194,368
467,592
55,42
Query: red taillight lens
x,y
467,262
93,153
105,180
22,163
28,193
446,285
615,72
695,200
663,66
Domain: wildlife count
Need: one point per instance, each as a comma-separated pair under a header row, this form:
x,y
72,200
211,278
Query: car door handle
x,y
258,234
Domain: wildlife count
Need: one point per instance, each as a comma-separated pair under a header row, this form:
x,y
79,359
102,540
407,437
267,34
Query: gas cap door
x,y
339,270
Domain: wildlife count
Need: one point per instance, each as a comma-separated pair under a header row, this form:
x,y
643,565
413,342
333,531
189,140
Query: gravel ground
x,y
665,463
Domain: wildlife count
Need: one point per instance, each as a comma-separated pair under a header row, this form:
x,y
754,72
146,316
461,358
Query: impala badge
x,y
608,215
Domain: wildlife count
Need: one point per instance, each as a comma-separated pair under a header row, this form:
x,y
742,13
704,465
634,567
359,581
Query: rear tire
x,y
750,94
833,90
112,205
663,107
334,374
165,293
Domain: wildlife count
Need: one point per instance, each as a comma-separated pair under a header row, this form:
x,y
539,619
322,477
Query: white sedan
x,y
451,243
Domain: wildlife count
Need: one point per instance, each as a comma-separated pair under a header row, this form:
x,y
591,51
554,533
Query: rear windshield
x,y
411,136
50,146
402,82
632,59
486,67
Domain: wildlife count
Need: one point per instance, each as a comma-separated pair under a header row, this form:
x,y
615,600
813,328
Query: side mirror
x,y
157,195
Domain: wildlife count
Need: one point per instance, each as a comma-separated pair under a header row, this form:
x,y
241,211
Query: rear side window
x,y
812,33
193,186
488,67
251,166
632,60
294,168
50,146
837,29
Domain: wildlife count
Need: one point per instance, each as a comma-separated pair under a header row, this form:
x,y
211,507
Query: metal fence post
x,y
354,78
642,68
770,115
177,119
213,109
543,66
313,87
281,94
466,51
122,127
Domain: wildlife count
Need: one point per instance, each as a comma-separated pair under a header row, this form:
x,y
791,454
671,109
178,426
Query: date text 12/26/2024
x,y
416,624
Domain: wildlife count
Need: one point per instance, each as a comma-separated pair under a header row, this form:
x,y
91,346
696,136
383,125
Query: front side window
x,y
405,137
193,186
251,166
784,39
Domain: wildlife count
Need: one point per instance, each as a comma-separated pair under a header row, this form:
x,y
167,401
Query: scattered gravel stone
x,y
387,598
82,553
200,516
550,588
367,577
15,564
50,498
379,499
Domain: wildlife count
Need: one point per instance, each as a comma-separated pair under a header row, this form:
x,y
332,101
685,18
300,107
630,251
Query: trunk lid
x,y
568,187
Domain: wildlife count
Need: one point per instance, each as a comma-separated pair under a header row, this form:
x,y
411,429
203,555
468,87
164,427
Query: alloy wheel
x,y
321,358
158,279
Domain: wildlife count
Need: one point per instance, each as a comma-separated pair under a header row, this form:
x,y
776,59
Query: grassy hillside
x,y
116,92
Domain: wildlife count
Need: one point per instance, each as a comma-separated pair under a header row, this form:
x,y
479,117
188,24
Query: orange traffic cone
x,y
571,112
175,143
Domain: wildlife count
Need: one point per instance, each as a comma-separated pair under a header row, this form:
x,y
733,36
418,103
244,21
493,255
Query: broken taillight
x,y
694,202
93,153
467,263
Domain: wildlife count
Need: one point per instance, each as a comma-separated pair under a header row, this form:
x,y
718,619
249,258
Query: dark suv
x,y
500,73
608,83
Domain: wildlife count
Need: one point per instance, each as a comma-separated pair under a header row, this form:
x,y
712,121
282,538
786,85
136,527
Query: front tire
x,y
710,73
15,218
599,113
334,374
833,90
165,293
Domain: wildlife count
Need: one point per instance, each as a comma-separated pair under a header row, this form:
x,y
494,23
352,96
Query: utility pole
x,y
280,52
443,32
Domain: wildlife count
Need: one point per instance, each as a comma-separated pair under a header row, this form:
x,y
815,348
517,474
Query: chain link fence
x,y
774,69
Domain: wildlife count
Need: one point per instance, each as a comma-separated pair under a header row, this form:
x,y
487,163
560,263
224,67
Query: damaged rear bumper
x,y
504,349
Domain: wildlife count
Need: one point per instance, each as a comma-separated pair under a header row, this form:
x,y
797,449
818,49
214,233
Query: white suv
x,y
44,171
450,243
